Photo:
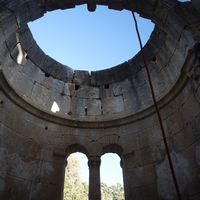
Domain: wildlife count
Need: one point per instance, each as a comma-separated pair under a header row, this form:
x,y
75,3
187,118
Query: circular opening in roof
x,y
89,41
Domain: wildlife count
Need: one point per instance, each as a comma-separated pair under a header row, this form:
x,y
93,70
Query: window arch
x,y
76,177
112,173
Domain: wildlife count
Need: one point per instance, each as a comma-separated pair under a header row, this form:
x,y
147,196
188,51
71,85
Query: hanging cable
x,y
157,111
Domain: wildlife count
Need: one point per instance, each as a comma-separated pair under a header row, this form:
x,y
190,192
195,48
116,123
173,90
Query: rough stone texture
x,y
108,111
196,5
81,77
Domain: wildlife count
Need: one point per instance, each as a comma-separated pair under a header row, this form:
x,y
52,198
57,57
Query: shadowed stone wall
x,y
48,110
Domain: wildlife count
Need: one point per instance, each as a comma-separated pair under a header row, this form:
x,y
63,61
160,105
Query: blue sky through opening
x,y
90,41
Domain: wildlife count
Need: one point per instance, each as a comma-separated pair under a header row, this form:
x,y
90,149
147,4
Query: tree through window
x,y
111,177
74,187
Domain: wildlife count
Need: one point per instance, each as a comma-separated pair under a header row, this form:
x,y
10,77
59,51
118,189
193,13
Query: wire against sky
x,y
89,41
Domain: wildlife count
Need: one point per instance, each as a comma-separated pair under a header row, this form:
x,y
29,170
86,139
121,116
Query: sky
x,y
110,170
91,41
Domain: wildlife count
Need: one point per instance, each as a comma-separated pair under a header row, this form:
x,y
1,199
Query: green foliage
x,y
112,192
75,189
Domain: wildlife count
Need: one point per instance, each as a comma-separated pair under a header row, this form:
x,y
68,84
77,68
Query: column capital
x,y
94,161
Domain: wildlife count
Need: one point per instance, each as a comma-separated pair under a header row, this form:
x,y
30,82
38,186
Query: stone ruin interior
x,y
106,111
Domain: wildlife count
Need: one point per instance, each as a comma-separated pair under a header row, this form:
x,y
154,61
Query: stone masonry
x,y
48,110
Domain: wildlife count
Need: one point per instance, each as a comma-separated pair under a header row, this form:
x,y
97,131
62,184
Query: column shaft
x,y
94,178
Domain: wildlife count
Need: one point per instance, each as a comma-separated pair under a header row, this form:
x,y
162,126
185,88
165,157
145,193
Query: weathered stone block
x,y
8,22
147,156
144,93
114,139
41,191
18,55
129,142
94,107
104,141
88,92
174,123
51,173
33,72
93,78
26,86
22,14
139,78
116,5
16,188
78,106
103,77
36,9
121,130
65,74
121,72
40,95
53,84
5,59
16,74
149,192
112,105
63,104
106,91
131,100
81,77
36,55
53,5
121,87
26,38
134,65
145,138
191,107
12,41
183,139
94,148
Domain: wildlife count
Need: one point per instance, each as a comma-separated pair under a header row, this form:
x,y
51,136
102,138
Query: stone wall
x,y
48,110
108,94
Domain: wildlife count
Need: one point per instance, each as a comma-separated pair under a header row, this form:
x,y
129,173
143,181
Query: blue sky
x,y
110,170
91,41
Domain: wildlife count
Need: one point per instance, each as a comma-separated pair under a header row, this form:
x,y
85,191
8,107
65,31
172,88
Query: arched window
x,y
111,177
76,177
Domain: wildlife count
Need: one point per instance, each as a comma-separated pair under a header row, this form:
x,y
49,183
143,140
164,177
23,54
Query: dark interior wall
x,y
28,169
33,151
147,173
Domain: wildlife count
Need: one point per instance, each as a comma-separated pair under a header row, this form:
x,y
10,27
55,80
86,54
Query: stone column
x,y
94,178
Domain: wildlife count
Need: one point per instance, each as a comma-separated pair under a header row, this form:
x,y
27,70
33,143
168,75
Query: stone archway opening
x,y
76,177
112,186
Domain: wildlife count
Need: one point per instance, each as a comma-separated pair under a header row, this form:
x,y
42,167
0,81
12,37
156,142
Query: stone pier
x,y
94,178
